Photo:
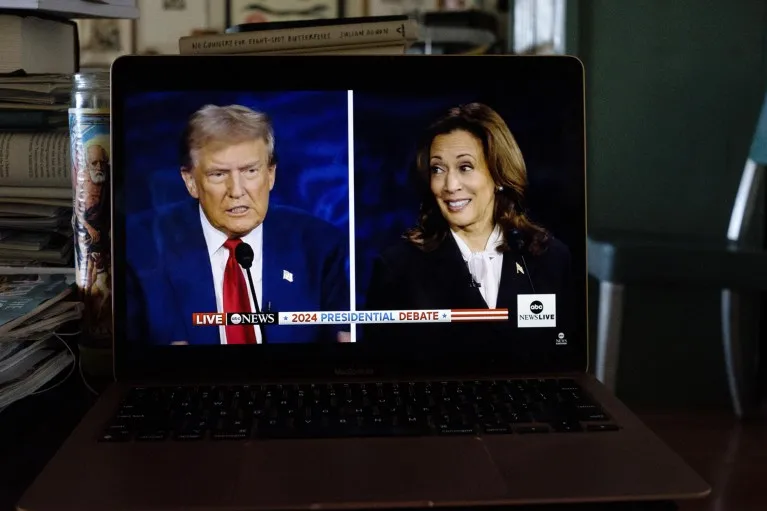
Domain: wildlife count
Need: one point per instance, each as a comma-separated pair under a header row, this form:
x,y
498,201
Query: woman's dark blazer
x,y
405,277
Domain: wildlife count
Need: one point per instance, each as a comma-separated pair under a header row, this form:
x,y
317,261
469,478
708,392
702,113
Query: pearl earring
x,y
500,188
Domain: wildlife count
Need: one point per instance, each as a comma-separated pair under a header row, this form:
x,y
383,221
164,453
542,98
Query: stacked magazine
x,y
33,308
36,196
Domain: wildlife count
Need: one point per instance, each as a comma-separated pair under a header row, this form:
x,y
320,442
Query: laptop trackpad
x,y
304,473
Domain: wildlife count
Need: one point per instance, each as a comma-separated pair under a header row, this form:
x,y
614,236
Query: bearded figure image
x,y
93,245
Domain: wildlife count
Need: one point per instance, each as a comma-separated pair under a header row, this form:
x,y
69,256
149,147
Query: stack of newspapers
x,y
33,309
38,58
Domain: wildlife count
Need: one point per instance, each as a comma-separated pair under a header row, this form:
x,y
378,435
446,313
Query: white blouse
x,y
485,267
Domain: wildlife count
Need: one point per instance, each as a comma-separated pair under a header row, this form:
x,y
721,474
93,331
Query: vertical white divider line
x,y
352,253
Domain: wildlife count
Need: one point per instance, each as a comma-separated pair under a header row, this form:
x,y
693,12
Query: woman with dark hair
x,y
474,247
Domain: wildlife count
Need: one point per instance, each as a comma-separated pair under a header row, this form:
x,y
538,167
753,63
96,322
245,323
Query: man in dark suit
x,y
181,260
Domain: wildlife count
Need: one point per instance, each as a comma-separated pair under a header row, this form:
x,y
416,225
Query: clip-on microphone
x,y
244,255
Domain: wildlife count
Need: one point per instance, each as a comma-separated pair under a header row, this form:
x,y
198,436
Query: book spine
x,y
35,159
309,37
341,50
346,49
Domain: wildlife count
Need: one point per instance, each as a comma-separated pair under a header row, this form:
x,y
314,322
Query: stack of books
x,y
39,56
127,9
374,35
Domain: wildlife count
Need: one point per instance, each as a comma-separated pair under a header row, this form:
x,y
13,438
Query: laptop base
x,y
511,469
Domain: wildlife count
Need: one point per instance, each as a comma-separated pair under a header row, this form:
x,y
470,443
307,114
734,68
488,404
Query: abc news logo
x,y
233,318
536,311
251,318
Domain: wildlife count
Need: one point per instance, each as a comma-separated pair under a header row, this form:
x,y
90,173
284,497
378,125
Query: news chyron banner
x,y
346,317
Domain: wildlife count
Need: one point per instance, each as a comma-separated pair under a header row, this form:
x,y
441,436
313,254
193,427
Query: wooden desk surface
x,y
730,454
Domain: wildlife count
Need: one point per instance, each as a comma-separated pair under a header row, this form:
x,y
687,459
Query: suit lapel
x,y
514,280
275,271
190,275
276,277
452,277
508,287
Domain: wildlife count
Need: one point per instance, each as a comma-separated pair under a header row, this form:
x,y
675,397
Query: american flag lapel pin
x,y
286,275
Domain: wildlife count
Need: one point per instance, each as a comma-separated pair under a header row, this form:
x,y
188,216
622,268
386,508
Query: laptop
x,y
351,282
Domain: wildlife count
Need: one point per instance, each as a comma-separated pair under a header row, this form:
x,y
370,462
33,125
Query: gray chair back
x,y
751,183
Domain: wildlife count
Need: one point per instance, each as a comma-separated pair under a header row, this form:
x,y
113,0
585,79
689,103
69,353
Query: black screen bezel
x,y
133,360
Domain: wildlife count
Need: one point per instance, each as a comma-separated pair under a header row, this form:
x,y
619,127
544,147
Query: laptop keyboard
x,y
476,407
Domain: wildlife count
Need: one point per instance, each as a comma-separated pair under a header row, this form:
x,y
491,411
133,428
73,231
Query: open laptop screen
x,y
449,213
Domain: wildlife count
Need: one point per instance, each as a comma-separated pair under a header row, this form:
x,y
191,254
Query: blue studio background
x,y
311,145
387,127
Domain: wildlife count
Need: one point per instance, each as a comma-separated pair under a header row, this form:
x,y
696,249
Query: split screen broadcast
x,y
347,216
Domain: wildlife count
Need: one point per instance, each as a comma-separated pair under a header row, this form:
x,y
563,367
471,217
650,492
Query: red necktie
x,y
236,297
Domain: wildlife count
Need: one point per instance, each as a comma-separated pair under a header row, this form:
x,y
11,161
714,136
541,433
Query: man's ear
x,y
272,176
191,184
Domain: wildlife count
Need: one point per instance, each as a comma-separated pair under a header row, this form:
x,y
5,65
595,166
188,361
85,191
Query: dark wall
x,y
673,93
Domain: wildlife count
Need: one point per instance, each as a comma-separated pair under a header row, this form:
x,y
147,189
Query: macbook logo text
x,y
353,372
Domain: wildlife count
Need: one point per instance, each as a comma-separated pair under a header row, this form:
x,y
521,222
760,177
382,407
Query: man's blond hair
x,y
224,125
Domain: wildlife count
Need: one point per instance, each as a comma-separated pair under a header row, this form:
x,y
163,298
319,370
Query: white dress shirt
x,y
219,255
486,266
